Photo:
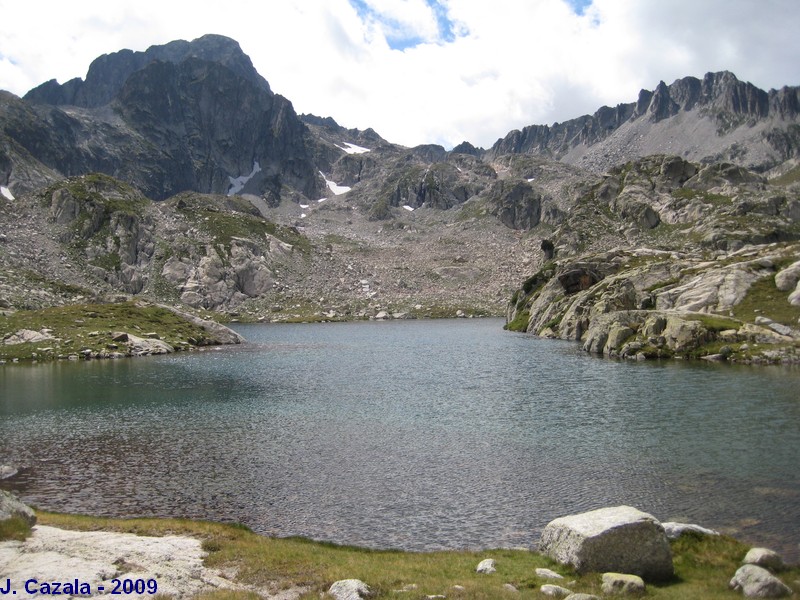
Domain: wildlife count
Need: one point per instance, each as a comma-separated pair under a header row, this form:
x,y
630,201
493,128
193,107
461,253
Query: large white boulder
x,y
620,539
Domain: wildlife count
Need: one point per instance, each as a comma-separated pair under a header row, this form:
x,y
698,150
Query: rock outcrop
x,y
620,539
11,507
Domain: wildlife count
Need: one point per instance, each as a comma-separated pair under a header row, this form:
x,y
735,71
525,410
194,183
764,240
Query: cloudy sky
x,y
428,71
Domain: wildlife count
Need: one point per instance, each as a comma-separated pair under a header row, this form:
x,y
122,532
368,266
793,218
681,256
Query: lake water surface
x,y
415,434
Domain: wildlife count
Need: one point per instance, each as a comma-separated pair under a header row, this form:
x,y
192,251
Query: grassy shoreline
x,y
703,564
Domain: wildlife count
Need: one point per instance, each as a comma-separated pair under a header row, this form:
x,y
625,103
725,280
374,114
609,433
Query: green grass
x,y
15,528
228,218
703,565
764,299
89,326
520,321
702,195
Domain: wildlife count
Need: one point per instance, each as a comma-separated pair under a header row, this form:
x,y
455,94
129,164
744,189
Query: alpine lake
x,y
418,435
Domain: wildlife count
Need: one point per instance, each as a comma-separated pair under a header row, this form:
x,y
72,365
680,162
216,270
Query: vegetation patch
x,y
520,321
228,218
703,565
15,528
764,299
74,329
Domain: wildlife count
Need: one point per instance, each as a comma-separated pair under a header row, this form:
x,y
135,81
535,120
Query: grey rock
x,y
217,333
620,539
548,574
554,591
11,506
7,471
349,589
581,597
622,583
756,582
764,557
787,279
675,530
145,346
27,336
486,566
510,588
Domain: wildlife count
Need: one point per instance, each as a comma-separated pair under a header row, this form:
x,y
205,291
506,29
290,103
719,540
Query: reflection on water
x,y
417,434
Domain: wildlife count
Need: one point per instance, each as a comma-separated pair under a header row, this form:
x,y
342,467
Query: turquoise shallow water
x,y
416,434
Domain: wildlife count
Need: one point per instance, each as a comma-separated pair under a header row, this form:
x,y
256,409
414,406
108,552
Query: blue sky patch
x,y
397,34
579,6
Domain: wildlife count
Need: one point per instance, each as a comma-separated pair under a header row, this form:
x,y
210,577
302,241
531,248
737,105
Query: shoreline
x,y
207,556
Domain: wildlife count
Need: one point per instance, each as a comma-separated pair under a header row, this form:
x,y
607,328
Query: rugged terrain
x,y
177,176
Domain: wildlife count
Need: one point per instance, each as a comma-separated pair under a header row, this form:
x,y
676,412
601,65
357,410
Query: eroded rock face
x,y
619,539
655,304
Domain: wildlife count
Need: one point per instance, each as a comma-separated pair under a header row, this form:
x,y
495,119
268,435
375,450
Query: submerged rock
x,y
676,530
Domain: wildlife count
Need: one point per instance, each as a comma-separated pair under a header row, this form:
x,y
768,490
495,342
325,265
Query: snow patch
x,y
304,206
6,192
531,179
353,149
336,189
408,208
303,215
237,183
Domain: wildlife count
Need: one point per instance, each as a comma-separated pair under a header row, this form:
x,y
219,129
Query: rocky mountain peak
x,y
109,72
723,118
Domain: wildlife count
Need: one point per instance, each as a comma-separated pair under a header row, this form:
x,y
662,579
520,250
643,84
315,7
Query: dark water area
x,y
418,435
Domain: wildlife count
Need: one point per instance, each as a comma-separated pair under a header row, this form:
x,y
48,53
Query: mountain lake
x,y
418,435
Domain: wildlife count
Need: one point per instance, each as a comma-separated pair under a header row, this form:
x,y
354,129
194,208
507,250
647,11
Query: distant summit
x,y
714,118
108,73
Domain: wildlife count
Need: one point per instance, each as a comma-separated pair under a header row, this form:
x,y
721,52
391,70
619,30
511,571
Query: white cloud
x,y
506,64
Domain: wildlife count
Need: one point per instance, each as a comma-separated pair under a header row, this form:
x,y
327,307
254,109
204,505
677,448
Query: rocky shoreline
x,y
740,307
606,552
